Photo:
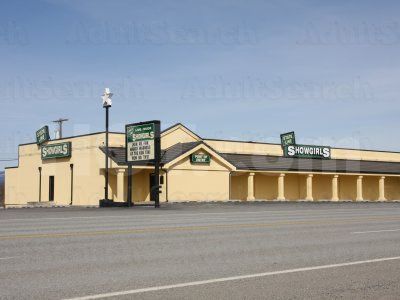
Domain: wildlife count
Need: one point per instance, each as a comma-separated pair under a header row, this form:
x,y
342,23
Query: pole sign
x,y
200,158
143,144
42,135
140,141
307,151
59,150
288,139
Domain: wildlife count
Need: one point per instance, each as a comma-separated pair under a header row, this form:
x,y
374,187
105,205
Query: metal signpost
x,y
142,144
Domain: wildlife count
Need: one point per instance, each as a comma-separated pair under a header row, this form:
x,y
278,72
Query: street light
x,y
106,104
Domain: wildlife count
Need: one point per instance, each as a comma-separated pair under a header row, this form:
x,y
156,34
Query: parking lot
x,y
202,251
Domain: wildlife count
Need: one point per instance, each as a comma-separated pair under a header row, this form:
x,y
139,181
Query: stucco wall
x,y
198,185
371,188
189,181
392,188
322,187
22,183
176,135
265,186
292,186
347,187
239,187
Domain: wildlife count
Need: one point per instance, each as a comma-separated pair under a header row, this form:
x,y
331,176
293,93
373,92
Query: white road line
x,y
4,258
233,278
375,231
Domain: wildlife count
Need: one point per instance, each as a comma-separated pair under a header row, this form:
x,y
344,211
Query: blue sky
x,y
246,70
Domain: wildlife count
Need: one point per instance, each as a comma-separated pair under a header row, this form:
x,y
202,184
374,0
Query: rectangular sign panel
x,y
42,135
56,150
288,139
143,144
140,141
200,158
307,151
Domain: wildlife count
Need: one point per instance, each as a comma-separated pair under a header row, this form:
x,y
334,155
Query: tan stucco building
x,y
235,170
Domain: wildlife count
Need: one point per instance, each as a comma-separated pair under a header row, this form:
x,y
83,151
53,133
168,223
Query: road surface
x,y
202,251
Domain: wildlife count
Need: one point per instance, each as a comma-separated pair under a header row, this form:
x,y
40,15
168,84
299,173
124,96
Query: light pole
x,y
106,104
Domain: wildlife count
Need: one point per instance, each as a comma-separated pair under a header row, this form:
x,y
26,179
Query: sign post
x,y
143,145
129,199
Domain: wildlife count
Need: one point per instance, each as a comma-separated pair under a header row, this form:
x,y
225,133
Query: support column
x,y
359,189
335,194
382,189
309,196
250,186
281,187
120,185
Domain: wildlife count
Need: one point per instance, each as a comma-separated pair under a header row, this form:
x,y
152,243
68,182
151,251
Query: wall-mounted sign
x,y
141,141
307,151
288,139
42,135
200,158
59,150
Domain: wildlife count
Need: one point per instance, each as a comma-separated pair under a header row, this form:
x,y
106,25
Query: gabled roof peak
x,y
184,128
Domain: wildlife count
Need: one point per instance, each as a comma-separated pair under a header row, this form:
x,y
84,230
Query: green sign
x,y
200,158
288,139
56,150
140,142
42,135
307,151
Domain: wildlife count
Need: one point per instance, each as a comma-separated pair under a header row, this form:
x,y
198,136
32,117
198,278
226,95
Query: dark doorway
x,y
51,188
152,183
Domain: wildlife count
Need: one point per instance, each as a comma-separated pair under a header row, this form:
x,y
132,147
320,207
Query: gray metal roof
x,y
177,150
278,163
117,154
272,163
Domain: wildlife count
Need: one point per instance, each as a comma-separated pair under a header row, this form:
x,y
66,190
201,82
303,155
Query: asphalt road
x,y
202,251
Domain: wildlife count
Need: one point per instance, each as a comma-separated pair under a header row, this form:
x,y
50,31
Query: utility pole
x,y
60,123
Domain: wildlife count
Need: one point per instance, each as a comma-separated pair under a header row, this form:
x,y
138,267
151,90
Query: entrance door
x,y
51,188
152,183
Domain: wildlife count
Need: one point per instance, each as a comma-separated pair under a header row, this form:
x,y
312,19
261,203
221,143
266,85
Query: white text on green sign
x,y
288,139
200,158
140,142
56,150
42,135
307,151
